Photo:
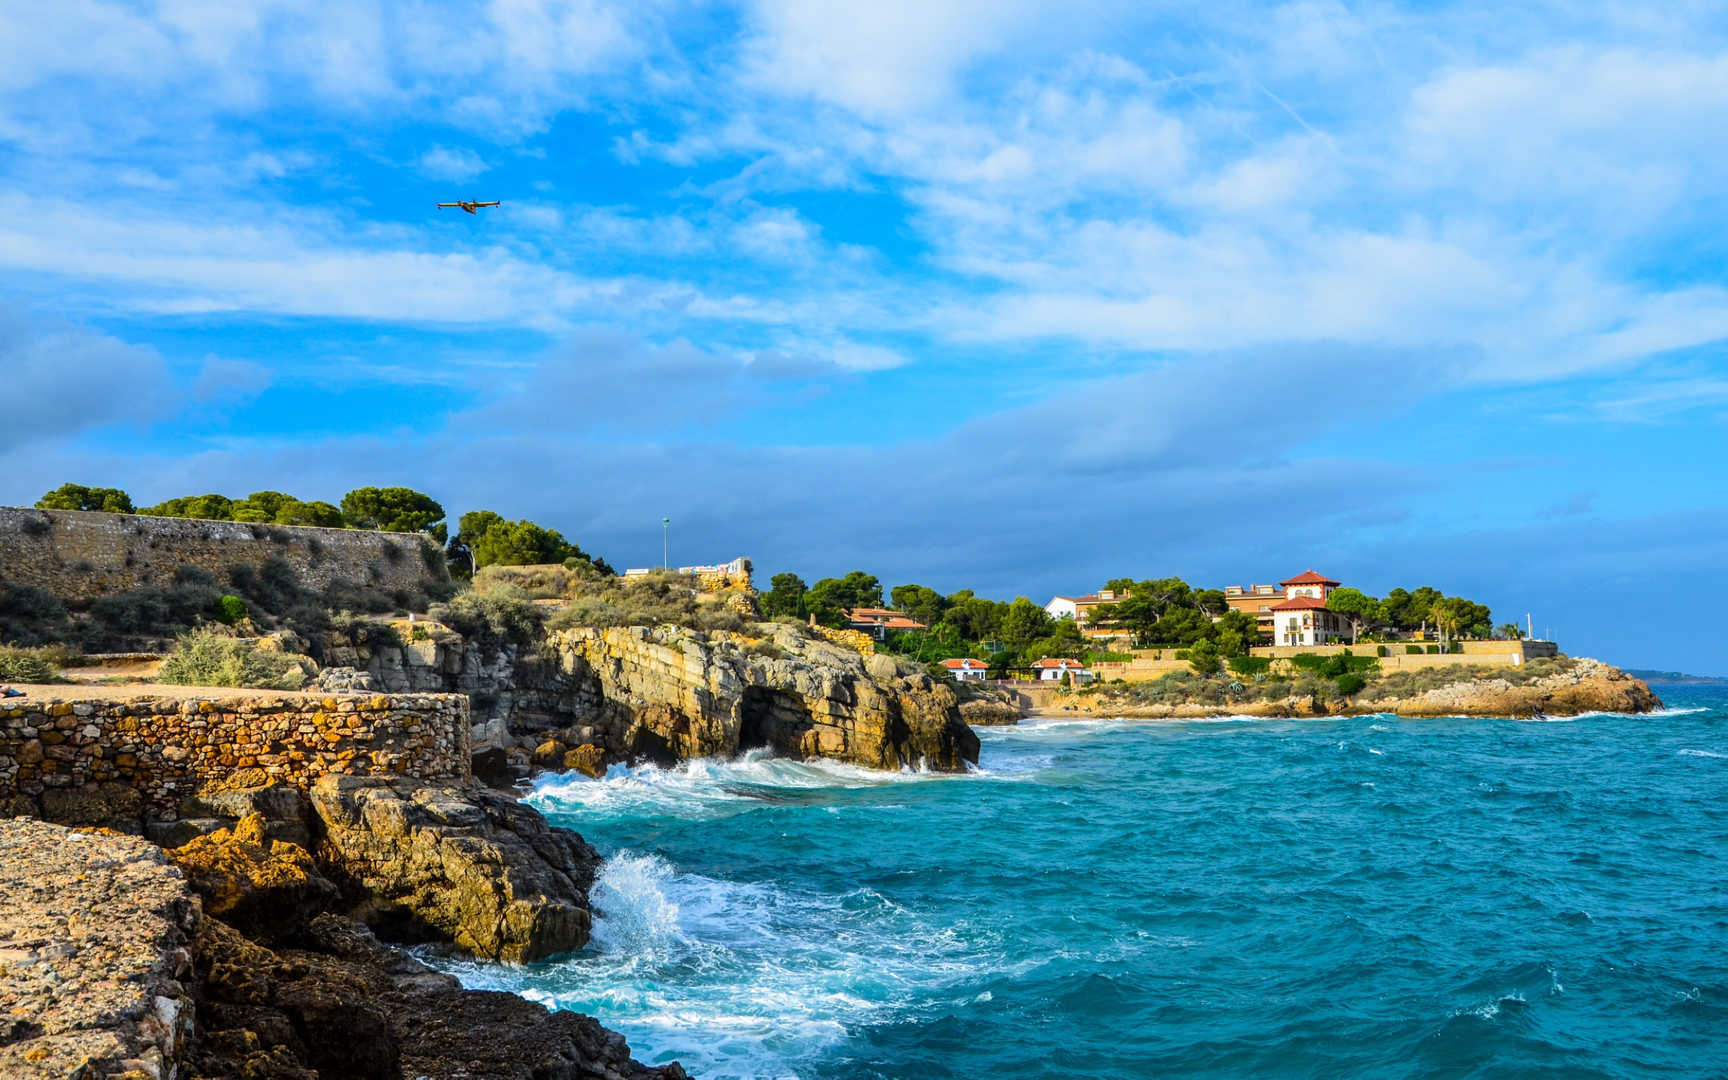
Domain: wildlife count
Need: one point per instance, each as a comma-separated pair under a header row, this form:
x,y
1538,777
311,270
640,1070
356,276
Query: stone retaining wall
x,y
53,754
79,555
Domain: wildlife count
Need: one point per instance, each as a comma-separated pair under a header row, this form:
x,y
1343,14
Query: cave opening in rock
x,y
772,719
755,719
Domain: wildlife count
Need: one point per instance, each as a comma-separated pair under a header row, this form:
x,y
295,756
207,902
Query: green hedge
x,y
1433,650
1380,650
1413,650
1341,663
1250,665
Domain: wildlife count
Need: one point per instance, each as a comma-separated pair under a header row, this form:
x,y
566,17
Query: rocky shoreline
x,y
1589,686
249,949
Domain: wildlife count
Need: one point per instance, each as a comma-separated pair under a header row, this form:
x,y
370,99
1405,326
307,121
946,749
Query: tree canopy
x,y
830,598
785,597
79,497
394,509
486,538
1418,610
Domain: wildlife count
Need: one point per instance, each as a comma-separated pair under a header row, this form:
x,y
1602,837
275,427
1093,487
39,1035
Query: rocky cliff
x,y
666,693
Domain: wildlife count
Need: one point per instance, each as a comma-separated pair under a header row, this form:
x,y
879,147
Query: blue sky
x,y
1000,294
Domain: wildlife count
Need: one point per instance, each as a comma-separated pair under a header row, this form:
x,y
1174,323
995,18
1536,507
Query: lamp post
x,y
665,543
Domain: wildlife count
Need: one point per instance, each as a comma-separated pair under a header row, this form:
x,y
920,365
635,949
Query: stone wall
x,y
79,555
56,755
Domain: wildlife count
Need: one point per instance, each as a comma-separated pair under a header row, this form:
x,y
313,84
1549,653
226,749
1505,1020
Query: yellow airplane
x,y
469,205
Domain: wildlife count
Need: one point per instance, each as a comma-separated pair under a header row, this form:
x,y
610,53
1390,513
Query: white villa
x,y
1301,617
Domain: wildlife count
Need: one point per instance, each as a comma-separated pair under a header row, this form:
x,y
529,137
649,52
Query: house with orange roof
x,y
880,622
967,669
1052,668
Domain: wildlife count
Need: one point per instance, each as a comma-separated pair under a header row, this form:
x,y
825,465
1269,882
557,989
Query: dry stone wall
x,y
79,555
89,759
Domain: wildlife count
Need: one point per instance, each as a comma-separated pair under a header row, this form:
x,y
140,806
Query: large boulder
x,y
466,865
265,887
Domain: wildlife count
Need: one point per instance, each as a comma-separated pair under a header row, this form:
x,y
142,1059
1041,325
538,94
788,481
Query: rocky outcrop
x,y
338,1002
665,692
265,887
668,693
465,865
1569,687
93,955
1586,686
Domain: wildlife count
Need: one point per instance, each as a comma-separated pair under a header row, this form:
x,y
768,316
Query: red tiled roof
x,y
1057,661
964,665
1309,577
1301,603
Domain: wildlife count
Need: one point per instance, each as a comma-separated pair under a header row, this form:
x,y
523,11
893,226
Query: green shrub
x,y
494,614
29,665
1413,650
230,609
1433,650
203,658
1455,647
1350,683
1380,650
1250,665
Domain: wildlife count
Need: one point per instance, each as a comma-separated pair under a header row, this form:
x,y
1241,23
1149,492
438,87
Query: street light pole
x,y
665,543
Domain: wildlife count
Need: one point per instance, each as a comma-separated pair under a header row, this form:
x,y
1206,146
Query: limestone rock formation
x,y
1585,686
663,691
465,865
669,693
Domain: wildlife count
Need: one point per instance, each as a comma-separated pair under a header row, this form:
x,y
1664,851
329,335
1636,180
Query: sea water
x,y
1362,897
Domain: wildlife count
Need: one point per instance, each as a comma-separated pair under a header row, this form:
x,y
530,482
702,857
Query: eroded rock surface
x,y
93,951
667,693
465,865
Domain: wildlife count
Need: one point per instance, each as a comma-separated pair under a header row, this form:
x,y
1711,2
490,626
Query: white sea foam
x,y
745,980
713,787
1702,753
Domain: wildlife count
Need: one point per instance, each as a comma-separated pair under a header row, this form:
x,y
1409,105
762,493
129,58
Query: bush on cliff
x,y
495,613
39,665
204,658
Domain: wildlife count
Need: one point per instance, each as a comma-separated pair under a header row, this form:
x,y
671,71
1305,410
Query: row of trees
x,y
388,509
483,537
1016,632
1418,611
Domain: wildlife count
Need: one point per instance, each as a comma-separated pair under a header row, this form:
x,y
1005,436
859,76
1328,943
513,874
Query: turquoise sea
x,y
1364,897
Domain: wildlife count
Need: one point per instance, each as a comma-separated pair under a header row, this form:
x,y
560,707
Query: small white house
x,y
967,670
1052,668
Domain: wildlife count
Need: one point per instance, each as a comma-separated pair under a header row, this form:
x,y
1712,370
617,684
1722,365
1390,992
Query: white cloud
x,y
884,58
460,164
